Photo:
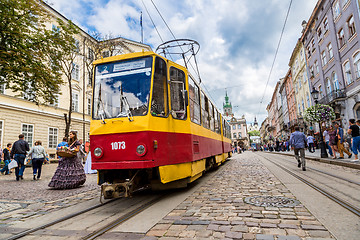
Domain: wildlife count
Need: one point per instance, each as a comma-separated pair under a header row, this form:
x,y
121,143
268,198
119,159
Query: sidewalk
x,y
316,156
243,200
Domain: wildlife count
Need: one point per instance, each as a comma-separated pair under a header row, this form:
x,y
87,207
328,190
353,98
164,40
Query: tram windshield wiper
x,y
124,106
101,112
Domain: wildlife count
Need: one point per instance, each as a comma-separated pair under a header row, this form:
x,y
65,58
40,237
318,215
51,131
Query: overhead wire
x,y
276,52
153,24
182,50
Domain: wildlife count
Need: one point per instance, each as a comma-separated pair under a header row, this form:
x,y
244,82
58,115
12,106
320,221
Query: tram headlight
x,y
141,150
98,152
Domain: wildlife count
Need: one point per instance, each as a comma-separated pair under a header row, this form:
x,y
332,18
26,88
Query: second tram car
x,y
152,125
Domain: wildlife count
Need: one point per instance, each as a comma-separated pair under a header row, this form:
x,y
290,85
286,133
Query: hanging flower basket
x,y
319,113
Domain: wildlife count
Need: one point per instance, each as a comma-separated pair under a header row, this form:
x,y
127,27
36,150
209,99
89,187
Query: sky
x,y
238,39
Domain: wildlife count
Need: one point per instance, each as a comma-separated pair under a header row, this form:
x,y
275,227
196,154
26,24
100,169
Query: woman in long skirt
x,y
70,171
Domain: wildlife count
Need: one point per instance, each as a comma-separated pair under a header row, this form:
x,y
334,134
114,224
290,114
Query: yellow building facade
x,y
300,79
46,122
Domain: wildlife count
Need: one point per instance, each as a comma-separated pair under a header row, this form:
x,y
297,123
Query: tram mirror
x,y
186,97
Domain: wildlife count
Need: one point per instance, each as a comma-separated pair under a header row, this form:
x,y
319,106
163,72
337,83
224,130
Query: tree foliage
x,y
24,46
254,133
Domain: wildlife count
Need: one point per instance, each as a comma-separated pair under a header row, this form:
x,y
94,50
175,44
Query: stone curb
x,y
324,160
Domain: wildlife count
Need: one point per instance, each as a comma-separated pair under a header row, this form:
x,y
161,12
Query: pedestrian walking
x,y
38,156
355,134
327,140
333,141
70,171
18,153
7,159
310,141
298,143
340,141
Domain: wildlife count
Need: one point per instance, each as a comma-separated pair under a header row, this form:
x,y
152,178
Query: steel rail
x,y
333,175
122,219
62,219
336,199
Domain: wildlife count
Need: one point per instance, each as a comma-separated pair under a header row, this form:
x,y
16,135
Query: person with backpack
x,y
354,130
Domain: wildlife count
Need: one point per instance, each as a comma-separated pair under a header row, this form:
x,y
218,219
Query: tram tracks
x,y
132,211
339,200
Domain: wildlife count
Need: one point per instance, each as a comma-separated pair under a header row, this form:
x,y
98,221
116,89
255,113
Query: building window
x,y
106,54
341,38
75,73
304,77
89,82
239,126
319,33
234,127
351,26
357,64
1,130
77,44
312,71
321,93
335,81
234,135
2,88
336,10
328,86
347,72
28,131
326,25
303,105
53,137
313,45
89,105
239,135
309,52
75,102
323,58
316,67
299,84
330,51
308,100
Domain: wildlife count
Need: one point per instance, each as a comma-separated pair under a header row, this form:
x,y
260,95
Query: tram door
x,y
179,103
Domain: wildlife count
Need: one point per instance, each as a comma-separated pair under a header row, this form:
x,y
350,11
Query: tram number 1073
x,y
117,145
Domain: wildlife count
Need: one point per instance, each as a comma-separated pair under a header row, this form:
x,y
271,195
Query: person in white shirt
x,y
310,140
327,140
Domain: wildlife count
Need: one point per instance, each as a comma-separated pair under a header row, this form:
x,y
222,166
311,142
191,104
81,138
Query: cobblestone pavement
x,y
218,210
27,198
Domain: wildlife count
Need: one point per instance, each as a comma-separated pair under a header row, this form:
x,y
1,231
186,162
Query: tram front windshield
x,y
122,89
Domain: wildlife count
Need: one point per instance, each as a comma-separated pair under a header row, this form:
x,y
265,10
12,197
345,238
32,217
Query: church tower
x,y
227,106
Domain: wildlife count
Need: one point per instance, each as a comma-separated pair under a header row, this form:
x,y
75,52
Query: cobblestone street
x,y
218,211
29,198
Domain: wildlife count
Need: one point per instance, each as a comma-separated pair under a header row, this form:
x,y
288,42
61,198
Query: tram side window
x,y
211,117
205,110
178,94
159,102
194,101
217,122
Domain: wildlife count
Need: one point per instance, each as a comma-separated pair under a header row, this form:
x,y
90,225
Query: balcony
x,y
333,96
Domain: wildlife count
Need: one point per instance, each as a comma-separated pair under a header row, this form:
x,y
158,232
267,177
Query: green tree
x,y
24,45
65,49
254,133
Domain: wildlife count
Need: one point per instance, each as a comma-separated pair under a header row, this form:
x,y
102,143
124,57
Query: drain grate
x,y
271,201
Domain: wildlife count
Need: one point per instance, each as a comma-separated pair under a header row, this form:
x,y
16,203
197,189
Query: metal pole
x,y
322,143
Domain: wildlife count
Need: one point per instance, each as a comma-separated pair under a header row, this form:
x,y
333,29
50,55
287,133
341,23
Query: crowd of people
x,y
336,139
70,172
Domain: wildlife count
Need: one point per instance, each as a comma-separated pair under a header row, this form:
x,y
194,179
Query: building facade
x,y
45,122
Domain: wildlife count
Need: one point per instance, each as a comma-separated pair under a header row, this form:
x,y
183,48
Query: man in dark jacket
x,y
298,143
18,152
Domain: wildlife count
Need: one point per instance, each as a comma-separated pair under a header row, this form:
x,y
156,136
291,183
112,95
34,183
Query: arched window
x,y
357,64
335,81
347,72
328,86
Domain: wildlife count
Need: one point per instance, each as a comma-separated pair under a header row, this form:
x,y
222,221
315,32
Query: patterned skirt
x,y
69,174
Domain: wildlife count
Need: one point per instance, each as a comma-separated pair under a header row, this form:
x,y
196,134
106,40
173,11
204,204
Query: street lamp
x,y
315,95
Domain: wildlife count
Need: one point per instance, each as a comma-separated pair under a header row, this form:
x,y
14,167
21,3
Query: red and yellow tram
x,y
152,125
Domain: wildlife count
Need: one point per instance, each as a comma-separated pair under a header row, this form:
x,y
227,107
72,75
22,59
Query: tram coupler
x,y
116,190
